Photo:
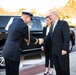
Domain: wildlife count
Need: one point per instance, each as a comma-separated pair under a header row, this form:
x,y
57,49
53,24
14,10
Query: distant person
x,y
47,48
60,35
18,31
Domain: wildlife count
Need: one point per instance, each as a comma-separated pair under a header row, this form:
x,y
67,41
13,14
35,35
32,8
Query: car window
x,y
33,24
43,23
4,21
9,23
16,18
40,23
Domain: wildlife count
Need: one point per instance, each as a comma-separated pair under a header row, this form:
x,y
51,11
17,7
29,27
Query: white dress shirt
x,y
47,30
54,25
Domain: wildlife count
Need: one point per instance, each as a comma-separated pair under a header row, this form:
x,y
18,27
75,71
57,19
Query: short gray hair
x,y
55,12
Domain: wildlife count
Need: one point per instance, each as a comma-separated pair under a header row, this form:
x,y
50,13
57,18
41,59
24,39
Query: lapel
x,y
51,31
45,31
56,26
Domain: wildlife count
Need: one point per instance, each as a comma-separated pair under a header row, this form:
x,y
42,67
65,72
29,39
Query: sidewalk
x,y
36,66
38,69
73,63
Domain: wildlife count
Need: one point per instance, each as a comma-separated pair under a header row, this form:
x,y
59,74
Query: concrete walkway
x,y
72,65
36,66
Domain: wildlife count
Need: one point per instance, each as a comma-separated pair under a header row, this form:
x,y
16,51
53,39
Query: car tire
x,y
70,46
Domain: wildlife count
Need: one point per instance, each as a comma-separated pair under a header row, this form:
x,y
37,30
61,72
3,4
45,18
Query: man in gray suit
x,y
60,36
18,31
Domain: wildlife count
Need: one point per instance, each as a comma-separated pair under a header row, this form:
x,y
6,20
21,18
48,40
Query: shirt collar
x,y
56,21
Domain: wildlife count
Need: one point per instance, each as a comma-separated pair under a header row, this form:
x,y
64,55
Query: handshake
x,y
41,41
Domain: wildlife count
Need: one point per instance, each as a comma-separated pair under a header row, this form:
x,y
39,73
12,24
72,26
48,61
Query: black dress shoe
x,y
45,73
50,74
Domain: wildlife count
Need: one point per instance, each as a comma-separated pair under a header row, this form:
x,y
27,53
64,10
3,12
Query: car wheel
x,y
70,46
2,62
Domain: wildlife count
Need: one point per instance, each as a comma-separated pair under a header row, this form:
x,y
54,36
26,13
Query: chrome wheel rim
x,y
2,62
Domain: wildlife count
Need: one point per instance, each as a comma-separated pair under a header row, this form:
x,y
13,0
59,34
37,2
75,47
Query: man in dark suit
x,y
18,31
60,36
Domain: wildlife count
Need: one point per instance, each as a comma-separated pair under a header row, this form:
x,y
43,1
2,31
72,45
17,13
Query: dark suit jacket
x,y
48,43
18,30
60,37
44,31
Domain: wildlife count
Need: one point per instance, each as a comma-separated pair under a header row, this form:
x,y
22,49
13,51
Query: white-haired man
x,y
60,36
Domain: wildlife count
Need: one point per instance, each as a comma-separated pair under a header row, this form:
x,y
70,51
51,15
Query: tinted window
x,y
39,24
43,23
4,20
33,25
16,18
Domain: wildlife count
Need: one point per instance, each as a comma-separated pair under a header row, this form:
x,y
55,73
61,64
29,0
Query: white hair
x,y
55,12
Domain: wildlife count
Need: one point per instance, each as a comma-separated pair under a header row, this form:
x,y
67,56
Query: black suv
x,y
36,28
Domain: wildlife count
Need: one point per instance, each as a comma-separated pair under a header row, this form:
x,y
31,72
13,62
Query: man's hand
x,y
64,52
40,41
42,48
